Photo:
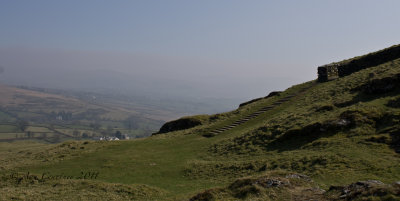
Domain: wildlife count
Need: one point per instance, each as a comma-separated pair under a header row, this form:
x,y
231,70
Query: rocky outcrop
x,y
274,93
180,124
364,189
298,188
265,188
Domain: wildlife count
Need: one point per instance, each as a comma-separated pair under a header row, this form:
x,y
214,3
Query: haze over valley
x,y
200,100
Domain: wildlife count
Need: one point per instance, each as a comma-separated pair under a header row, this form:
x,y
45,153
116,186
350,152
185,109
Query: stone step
x,y
253,115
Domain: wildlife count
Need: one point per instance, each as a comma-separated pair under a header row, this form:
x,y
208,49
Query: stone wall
x,y
332,71
327,72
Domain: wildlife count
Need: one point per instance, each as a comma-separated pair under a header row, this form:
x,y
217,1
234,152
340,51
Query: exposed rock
x,y
180,124
266,188
265,182
274,93
248,102
298,176
361,189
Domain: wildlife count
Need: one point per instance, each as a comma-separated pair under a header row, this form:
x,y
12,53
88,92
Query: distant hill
x,y
44,108
332,140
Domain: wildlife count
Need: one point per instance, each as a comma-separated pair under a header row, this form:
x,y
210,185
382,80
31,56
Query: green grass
x,y
4,117
8,129
303,135
9,135
38,129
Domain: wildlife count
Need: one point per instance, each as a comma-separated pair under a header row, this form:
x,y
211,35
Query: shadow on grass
x,y
296,138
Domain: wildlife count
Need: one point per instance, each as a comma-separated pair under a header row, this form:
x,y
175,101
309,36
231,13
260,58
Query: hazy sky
x,y
227,48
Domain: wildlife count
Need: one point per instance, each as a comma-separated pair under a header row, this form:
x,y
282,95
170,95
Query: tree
x,y
95,126
76,133
22,125
118,134
85,135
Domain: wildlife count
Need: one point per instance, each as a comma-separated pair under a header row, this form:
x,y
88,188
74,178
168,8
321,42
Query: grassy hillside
x,y
327,141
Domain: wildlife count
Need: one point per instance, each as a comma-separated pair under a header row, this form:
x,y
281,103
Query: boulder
x,y
180,124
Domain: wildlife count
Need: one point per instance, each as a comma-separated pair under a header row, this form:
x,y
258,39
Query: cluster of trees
x,y
22,125
78,134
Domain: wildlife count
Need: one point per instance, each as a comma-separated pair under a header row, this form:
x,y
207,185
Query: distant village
x,y
111,138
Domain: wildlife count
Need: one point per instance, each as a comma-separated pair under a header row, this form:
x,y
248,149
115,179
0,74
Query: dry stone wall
x,y
335,70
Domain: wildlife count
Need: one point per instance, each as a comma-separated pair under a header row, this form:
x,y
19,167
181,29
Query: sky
x,y
201,49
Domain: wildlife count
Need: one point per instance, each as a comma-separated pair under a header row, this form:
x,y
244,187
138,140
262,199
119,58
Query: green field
x,y
336,133
8,128
4,117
